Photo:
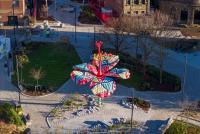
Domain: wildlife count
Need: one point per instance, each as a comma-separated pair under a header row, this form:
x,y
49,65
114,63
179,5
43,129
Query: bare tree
x,y
159,34
147,50
142,27
37,74
147,29
116,32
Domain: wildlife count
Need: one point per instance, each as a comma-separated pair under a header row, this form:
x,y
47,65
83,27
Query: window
x,y
143,12
135,12
136,1
184,16
128,2
143,1
16,3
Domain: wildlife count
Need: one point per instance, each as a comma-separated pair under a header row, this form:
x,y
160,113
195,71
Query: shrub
x,y
19,110
8,114
179,127
55,112
141,103
68,103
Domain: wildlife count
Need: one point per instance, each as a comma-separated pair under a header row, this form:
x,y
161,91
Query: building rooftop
x,y
191,2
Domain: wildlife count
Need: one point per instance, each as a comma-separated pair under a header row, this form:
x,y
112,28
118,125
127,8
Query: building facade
x,y
129,7
7,7
105,9
182,11
42,9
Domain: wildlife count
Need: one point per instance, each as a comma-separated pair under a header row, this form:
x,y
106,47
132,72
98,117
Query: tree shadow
x,y
99,124
151,127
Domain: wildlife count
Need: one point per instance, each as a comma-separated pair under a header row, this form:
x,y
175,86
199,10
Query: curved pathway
x,y
39,107
165,104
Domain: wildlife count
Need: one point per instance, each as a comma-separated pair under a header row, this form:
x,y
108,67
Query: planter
x,y
144,105
40,91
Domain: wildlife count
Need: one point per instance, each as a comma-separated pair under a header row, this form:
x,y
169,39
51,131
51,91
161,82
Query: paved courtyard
x,y
164,105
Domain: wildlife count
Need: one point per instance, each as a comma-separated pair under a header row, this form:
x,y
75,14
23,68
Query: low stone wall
x,y
164,127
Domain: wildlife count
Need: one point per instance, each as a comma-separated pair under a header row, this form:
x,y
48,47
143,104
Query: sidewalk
x,y
39,107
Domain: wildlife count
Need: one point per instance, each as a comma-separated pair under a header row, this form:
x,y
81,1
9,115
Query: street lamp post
x,y
55,5
132,108
13,8
184,77
94,36
17,68
15,45
75,23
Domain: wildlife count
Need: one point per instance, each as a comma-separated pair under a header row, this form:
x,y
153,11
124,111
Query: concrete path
x,y
39,107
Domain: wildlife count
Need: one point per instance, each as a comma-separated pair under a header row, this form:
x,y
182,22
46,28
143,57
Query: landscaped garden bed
x,y
10,119
123,126
70,105
191,110
140,103
191,31
137,102
52,62
179,127
151,81
73,107
87,16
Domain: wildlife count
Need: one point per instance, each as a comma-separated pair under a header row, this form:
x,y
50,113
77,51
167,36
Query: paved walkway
x,y
39,107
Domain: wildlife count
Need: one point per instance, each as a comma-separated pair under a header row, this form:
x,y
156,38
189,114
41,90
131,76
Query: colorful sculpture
x,y
100,73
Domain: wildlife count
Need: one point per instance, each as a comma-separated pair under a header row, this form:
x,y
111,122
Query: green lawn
x,y
171,83
55,59
179,127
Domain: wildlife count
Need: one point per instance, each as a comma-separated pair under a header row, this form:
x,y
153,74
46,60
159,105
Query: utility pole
x,y
17,68
46,2
132,108
137,37
94,36
55,5
184,78
75,23
15,46
13,8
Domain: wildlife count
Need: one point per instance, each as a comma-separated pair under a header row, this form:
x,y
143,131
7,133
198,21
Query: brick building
x,y
183,11
129,7
6,9
107,8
